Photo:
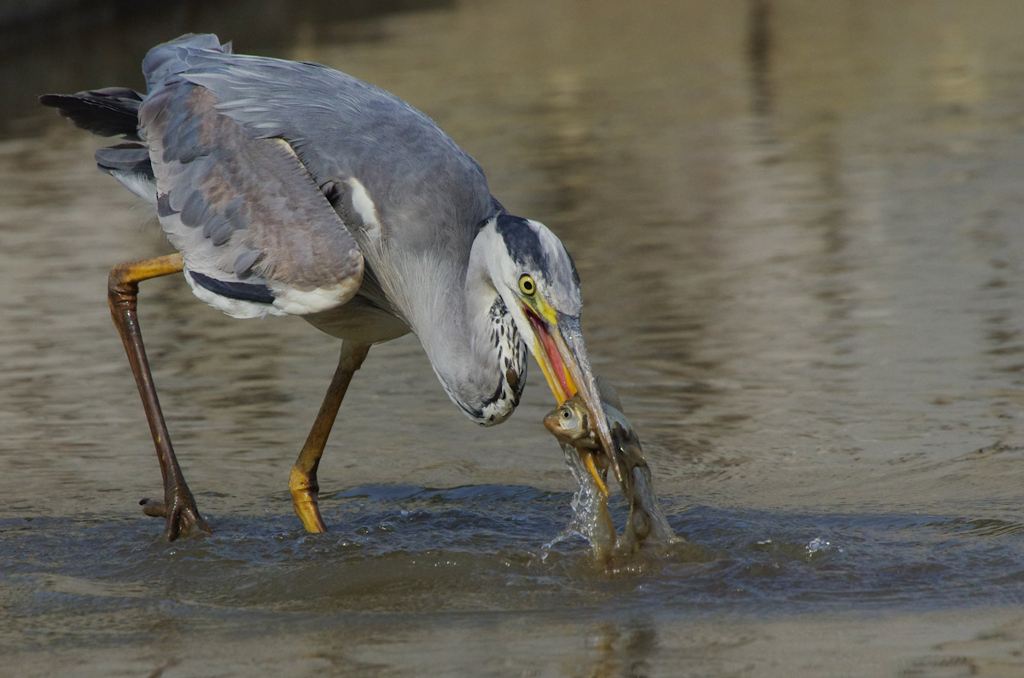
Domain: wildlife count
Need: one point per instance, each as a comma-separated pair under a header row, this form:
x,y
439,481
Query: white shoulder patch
x,y
364,206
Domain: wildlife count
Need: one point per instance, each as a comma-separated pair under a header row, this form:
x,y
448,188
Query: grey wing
x,y
256,232
354,138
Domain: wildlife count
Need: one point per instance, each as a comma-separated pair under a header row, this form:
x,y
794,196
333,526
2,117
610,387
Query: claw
x,y
183,519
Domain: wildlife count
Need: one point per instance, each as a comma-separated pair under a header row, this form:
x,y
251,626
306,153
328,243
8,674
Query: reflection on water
x,y
797,225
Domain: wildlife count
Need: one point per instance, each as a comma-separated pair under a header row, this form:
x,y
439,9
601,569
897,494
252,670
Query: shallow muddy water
x,y
798,226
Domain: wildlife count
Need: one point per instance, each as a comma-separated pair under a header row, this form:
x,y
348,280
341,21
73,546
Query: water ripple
x,y
409,549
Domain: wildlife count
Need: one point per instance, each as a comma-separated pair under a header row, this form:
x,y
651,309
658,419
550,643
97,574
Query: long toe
x,y
156,509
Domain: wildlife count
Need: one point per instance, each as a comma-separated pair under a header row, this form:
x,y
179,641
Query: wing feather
x,y
239,207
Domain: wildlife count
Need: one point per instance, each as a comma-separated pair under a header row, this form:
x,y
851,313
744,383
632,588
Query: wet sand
x,y
798,230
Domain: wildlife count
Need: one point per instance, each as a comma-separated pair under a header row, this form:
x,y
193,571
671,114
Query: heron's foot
x,y
182,518
305,491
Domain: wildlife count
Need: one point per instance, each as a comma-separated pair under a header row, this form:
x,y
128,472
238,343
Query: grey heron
x,y
293,189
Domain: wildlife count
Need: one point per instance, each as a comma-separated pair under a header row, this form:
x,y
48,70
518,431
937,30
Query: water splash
x,y
590,517
646,525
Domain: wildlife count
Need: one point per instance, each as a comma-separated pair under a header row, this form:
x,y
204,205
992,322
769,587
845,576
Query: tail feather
x,y
129,163
107,112
114,111
131,157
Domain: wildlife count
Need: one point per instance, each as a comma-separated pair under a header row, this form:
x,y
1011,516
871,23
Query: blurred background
x,y
798,227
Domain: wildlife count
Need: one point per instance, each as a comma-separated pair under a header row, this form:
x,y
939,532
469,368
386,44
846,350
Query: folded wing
x,y
255,230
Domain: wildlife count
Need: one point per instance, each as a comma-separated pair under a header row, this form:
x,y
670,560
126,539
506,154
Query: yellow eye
x,y
527,286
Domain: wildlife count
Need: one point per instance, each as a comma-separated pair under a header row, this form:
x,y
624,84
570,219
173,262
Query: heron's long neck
x,y
472,343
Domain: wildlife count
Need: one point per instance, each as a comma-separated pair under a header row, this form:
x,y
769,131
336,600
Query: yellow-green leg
x,y
302,481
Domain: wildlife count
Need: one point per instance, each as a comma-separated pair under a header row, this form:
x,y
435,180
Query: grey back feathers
x,y
340,127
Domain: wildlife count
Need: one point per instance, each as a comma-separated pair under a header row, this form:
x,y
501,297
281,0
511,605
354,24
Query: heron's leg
x,y
302,481
179,507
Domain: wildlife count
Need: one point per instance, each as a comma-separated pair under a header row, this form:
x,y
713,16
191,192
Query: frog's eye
x,y
526,285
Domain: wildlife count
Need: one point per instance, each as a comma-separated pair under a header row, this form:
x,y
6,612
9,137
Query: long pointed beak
x,y
562,356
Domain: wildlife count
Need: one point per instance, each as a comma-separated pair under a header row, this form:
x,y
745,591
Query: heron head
x,y
537,279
